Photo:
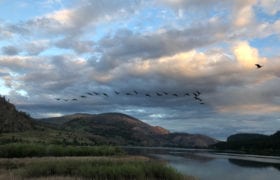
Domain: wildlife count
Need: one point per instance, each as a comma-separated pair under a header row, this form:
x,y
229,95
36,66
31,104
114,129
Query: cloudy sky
x,y
66,48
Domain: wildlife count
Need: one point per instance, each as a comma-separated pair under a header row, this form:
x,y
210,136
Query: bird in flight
x,y
187,94
58,99
197,98
148,95
175,94
90,94
159,94
74,99
135,92
117,93
166,93
258,66
96,93
83,96
105,94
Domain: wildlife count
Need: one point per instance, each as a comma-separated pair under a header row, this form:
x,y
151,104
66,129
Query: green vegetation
x,y
101,169
252,144
38,150
90,168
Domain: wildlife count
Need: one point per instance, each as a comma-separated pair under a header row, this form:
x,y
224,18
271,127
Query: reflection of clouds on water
x,y
253,164
208,165
195,156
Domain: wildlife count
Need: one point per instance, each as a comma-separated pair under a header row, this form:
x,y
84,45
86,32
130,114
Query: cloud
x,y
79,46
243,13
211,46
86,14
247,56
36,47
270,7
126,45
251,109
10,50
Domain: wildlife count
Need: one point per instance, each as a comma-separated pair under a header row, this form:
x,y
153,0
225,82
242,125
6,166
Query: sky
x,y
64,49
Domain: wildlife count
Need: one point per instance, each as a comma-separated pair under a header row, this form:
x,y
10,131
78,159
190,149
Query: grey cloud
x,y
85,14
36,47
126,45
10,50
79,46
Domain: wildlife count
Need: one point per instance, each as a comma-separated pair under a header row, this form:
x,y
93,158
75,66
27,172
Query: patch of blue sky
x,y
147,20
268,46
54,51
151,19
4,90
192,17
262,16
12,11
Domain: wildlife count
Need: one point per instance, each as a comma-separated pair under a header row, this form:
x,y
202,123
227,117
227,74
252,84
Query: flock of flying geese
x,y
196,94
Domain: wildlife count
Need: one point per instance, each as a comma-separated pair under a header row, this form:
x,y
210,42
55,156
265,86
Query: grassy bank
x,y
127,167
38,150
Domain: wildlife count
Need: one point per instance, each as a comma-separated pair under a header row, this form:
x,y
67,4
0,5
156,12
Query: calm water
x,y
208,165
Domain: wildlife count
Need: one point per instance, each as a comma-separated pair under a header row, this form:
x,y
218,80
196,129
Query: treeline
x,y
252,143
40,150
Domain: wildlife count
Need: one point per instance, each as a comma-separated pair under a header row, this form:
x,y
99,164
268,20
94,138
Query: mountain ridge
x,y
82,128
123,129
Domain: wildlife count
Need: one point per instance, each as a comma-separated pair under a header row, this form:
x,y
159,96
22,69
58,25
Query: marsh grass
x,y
101,169
122,167
38,150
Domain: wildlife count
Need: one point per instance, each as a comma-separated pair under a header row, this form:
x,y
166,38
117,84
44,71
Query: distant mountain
x,y
252,143
121,129
12,120
107,128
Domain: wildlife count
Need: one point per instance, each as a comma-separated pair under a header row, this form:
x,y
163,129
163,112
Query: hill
x,y
121,129
252,143
90,129
12,120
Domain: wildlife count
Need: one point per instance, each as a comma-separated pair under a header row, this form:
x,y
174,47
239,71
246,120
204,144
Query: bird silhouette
x,y
202,103
166,93
159,94
197,98
148,95
175,94
198,93
195,94
96,93
258,66
135,92
187,94
117,93
58,99
128,94
74,99
105,94
90,94
83,96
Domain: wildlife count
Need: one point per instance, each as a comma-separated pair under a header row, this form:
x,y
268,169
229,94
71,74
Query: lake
x,y
211,165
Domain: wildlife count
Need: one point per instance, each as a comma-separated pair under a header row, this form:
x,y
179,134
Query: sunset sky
x,y
65,48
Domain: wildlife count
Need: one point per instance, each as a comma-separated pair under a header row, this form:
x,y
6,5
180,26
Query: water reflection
x,y
253,164
208,165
